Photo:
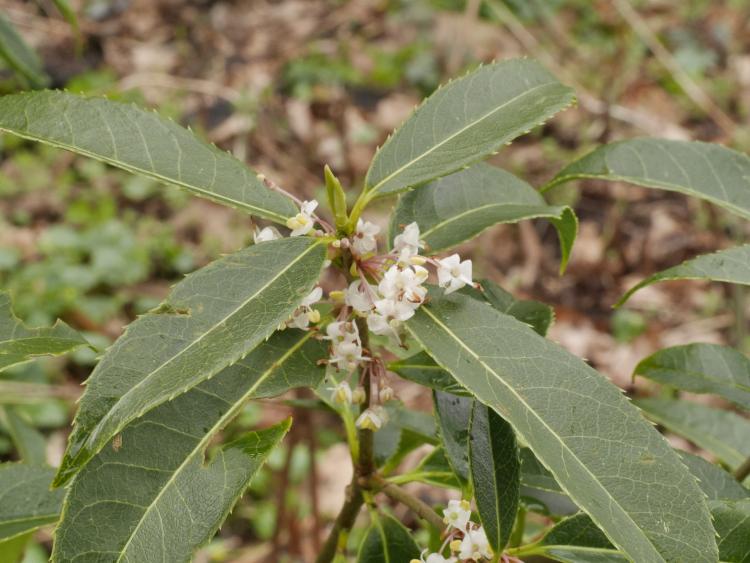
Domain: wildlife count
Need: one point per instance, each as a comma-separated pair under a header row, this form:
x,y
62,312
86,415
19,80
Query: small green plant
x,y
522,427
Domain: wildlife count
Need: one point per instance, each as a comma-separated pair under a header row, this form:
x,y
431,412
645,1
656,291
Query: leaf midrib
x,y
544,425
215,428
94,433
149,173
376,187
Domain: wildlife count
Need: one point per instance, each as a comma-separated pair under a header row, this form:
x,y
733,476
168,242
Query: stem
x,y
344,521
743,470
359,206
516,537
395,492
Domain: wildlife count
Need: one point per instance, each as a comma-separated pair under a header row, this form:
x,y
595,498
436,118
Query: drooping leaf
x,y
578,424
458,207
495,468
29,442
716,483
454,416
721,432
19,56
701,368
464,122
708,171
211,319
387,541
162,503
732,523
731,266
577,540
26,502
20,344
140,142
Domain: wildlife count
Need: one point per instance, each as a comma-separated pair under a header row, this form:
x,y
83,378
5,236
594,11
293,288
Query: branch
x,y
421,509
743,471
344,521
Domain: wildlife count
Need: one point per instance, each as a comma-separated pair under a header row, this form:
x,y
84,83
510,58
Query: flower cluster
x,y
467,541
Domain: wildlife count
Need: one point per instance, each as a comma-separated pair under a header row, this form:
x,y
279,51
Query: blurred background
x,y
291,85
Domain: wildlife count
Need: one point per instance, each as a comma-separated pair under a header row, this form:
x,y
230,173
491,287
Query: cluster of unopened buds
x,y
466,540
387,290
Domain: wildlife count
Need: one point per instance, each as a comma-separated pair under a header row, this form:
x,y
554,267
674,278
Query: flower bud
x,y
342,394
386,394
358,396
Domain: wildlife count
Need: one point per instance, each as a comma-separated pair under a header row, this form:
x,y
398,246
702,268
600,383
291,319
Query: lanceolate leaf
x,y
609,460
577,540
421,368
495,472
708,171
387,541
29,442
139,483
26,503
701,368
458,207
537,315
212,318
141,142
454,416
19,56
732,266
721,432
19,344
465,121
732,523
716,483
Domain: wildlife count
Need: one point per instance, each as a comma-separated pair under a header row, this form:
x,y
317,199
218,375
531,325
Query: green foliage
x,y
19,56
387,541
27,502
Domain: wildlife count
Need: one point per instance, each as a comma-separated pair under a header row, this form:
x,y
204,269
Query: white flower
x,y
371,419
474,546
404,284
437,558
342,394
364,241
380,324
457,514
394,310
454,274
358,297
408,240
358,395
347,355
304,315
266,234
302,223
313,297
342,331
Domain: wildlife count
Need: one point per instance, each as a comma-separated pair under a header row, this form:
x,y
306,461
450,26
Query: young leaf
x,y
495,472
731,266
164,510
577,540
454,417
708,171
211,319
20,344
716,483
578,424
721,432
26,502
140,142
701,368
464,122
732,523
387,541
29,442
19,56
458,207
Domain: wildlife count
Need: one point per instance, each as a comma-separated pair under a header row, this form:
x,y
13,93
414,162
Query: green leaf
x,y
140,142
465,121
174,503
538,316
29,442
387,541
26,502
433,469
404,431
716,483
732,523
701,368
577,540
421,368
211,319
720,432
577,423
454,417
20,344
495,468
731,266
456,208
20,392
12,550
707,171
535,475
19,56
